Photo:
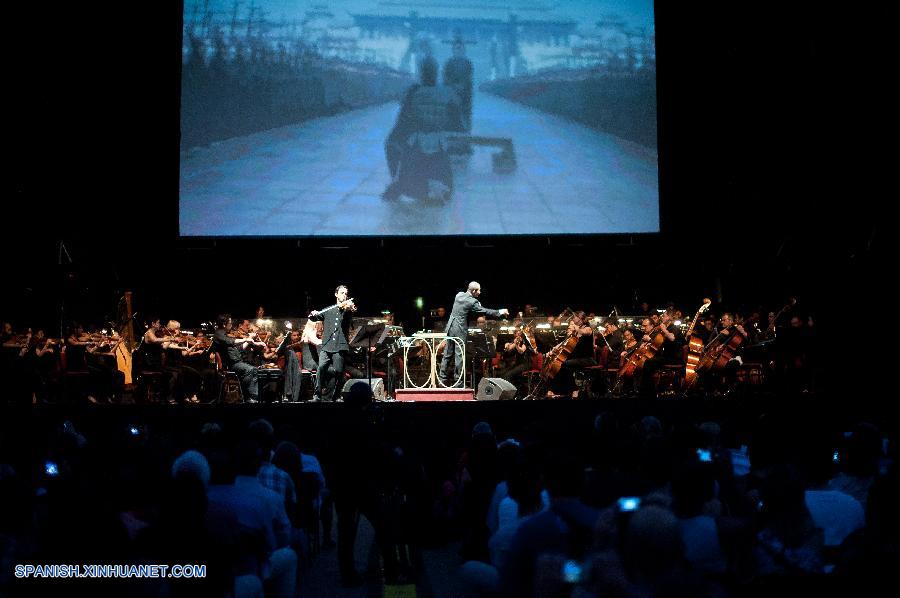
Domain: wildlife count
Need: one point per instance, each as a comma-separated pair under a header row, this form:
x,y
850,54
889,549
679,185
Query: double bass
x,y
695,347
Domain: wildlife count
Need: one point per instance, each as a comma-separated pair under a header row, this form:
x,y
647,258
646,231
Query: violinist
x,y
517,355
311,340
150,356
290,348
336,321
198,356
177,351
253,352
41,360
101,382
230,349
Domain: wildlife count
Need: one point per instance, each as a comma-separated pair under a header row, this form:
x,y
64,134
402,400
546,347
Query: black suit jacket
x,y
464,306
336,333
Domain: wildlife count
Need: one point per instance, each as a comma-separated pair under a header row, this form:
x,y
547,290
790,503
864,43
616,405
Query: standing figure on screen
x,y
416,148
458,76
335,346
464,304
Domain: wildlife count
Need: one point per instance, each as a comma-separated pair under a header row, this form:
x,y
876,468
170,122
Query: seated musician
x,y
612,340
199,358
150,356
707,331
727,327
230,349
517,356
582,356
101,380
6,332
177,351
670,353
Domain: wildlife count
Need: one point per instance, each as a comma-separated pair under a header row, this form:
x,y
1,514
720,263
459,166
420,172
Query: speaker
x,y
377,387
495,389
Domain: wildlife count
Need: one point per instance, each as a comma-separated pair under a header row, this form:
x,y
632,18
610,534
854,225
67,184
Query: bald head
x,y
474,289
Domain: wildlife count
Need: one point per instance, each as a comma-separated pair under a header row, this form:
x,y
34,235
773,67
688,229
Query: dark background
x,y
771,119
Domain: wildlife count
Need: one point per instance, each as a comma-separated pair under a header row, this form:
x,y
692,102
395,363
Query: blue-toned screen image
x,y
418,117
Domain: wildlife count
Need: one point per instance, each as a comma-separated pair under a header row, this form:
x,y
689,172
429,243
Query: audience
x,y
631,504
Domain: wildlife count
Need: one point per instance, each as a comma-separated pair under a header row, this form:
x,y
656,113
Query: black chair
x,y
229,383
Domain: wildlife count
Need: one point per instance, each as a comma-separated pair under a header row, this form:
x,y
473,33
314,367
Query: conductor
x,y
465,304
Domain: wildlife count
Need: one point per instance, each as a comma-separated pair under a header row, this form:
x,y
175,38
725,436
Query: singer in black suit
x,y
335,346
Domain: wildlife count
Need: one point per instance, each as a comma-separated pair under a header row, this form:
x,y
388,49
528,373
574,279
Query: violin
x,y
345,304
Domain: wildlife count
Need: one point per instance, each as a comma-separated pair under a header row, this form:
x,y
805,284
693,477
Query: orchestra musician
x,y
612,339
177,349
102,382
291,349
582,355
464,304
199,358
712,378
230,350
517,356
670,353
151,355
336,321
312,340
41,360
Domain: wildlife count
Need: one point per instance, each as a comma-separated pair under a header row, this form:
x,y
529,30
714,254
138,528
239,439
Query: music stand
x,y
480,349
369,336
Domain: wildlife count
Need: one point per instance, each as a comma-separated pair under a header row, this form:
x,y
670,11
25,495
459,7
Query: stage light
x,y
420,303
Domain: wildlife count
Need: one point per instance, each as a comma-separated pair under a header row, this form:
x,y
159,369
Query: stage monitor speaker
x,y
377,387
495,389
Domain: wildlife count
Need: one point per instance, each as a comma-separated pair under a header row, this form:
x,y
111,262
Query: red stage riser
x,y
419,395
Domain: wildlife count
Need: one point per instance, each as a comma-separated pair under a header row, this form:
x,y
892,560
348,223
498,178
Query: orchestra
x,y
544,356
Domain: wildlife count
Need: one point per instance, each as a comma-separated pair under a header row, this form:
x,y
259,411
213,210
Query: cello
x,y
722,349
634,361
554,360
695,347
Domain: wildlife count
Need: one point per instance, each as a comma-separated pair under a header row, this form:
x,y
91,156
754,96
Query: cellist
x,y
582,355
728,327
669,352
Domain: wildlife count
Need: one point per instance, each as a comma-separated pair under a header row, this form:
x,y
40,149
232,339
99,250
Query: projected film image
x,y
418,117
